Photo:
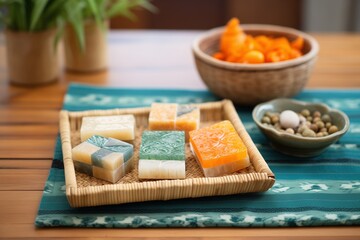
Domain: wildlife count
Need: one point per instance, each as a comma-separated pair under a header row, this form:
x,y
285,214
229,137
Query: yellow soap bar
x,y
121,127
170,116
162,116
187,118
219,150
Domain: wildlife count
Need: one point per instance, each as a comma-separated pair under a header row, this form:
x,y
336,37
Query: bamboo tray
x,y
83,190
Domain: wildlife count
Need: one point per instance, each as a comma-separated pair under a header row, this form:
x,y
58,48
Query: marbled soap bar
x,y
162,155
104,158
219,150
162,116
187,118
121,127
165,116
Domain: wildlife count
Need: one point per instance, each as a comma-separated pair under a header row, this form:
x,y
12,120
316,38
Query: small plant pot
x,y
32,57
94,56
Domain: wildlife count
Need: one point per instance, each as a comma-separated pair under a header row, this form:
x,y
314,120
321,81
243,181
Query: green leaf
x,y
37,10
13,21
28,10
124,7
60,31
54,8
75,16
121,7
21,16
148,6
95,12
102,4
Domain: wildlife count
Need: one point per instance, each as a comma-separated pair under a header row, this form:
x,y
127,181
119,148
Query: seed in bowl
x,y
305,123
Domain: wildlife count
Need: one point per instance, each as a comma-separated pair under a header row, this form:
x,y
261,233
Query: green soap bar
x,y
163,145
107,146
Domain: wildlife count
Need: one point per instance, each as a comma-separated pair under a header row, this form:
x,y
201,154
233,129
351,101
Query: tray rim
x,y
77,195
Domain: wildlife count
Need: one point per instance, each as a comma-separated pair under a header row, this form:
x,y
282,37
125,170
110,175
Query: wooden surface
x,y
29,124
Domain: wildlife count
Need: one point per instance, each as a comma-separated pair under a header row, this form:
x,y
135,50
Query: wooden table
x,y
29,124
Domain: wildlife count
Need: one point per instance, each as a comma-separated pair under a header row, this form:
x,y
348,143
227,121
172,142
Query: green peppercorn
x,y
290,130
266,119
301,129
316,119
316,114
275,119
314,127
320,124
326,118
323,130
305,112
308,133
277,126
333,129
319,134
269,114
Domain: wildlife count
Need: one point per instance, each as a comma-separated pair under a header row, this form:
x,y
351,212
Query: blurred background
x,y
307,15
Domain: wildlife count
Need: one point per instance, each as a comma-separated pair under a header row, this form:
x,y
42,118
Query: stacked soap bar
x,y
121,127
162,155
165,116
218,149
104,158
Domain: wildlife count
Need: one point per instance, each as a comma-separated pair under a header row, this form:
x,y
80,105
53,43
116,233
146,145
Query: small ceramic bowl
x,y
297,145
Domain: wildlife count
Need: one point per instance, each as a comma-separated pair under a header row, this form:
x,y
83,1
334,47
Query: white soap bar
x,y
121,127
161,169
113,175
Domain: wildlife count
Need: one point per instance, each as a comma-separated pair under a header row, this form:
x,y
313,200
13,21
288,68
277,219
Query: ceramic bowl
x,y
297,145
250,84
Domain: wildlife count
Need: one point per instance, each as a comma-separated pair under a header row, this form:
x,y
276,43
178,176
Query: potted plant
x,y
85,35
31,30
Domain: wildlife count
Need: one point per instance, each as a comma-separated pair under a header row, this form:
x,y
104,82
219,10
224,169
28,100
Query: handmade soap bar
x,y
162,116
218,149
121,127
162,155
165,116
187,118
104,158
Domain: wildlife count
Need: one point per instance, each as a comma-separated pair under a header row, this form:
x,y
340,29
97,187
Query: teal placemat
x,y
324,190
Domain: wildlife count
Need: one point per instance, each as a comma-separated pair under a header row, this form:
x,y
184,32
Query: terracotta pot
x,y
93,57
32,57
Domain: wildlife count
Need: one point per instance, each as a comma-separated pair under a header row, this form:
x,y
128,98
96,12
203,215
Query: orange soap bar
x,y
219,150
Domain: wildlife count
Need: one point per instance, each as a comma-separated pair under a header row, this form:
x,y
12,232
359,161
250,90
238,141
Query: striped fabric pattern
x,y
318,191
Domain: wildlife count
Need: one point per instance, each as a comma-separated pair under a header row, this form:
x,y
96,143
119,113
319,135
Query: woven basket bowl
x,y
250,84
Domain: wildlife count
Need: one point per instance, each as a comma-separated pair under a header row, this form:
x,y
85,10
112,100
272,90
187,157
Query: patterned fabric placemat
x,y
319,191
